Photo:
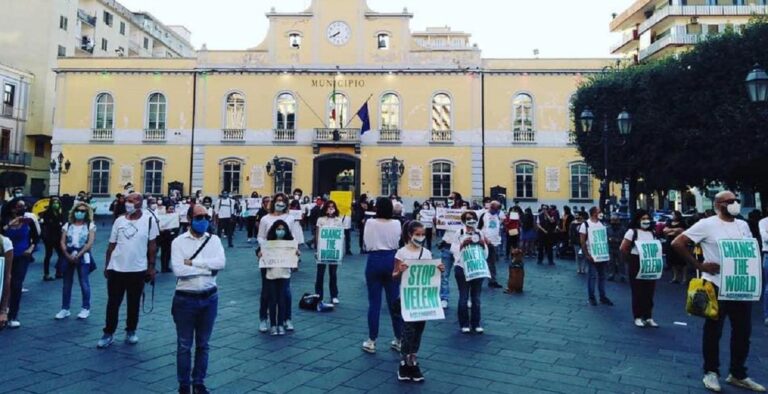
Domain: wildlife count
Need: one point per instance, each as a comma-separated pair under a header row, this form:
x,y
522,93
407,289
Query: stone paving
x,y
547,340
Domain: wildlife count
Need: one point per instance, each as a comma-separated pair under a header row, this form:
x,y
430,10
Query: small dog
x,y
516,273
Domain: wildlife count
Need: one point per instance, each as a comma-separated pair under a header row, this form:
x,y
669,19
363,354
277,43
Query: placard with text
x,y
420,291
475,264
651,260
279,254
330,245
740,270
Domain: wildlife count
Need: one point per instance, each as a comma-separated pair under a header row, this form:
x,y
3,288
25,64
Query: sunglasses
x,y
81,210
200,217
731,201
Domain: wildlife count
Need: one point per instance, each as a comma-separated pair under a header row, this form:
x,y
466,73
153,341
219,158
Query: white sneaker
x,y
335,301
651,323
465,330
766,321
369,346
444,304
131,338
14,324
63,314
84,313
395,344
24,290
249,240
288,325
639,323
263,326
479,330
745,383
711,382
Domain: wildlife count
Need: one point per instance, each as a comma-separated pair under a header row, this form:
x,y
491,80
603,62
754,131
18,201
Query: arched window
x,y
390,112
339,106
235,112
231,175
157,112
525,180
581,182
441,112
105,112
284,180
99,177
442,172
286,112
153,177
522,118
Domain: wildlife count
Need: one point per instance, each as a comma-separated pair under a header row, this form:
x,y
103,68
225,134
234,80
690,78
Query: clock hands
x,y
337,33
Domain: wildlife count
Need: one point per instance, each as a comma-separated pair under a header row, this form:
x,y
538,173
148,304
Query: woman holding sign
x,y
278,282
644,270
329,249
470,251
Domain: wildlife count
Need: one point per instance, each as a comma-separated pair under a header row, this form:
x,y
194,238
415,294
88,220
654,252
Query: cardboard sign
x,y
296,214
343,202
427,217
330,245
598,244
279,254
252,206
420,291
475,265
448,219
740,270
651,261
168,221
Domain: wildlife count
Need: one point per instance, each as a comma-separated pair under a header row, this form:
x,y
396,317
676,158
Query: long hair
x,y
384,209
6,214
328,204
50,209
635,224
88,213
272,233
274,200
410,228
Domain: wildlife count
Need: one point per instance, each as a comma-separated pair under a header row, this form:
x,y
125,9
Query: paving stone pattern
x,y
547,340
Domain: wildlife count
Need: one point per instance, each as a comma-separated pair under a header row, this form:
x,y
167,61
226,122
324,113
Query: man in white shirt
x,y
596,270
224,213
130,261
708,232
763,226
196,259
490,225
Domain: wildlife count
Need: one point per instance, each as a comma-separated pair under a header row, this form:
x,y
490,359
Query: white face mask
x,y
418,240
600,216
734,209
279,206
130,207
331,211
471,223
153,207
645,224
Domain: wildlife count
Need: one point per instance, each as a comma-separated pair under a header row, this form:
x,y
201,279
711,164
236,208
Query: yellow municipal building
x,y
282,115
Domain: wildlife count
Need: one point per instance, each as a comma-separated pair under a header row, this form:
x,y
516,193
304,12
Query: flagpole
x,y
355,116
313,111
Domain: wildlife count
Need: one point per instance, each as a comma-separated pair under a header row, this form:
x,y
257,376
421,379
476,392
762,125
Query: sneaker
x,y
105,341
395,345
592,301
335,301
273,331
479,330
416,374
131,338
766,321
249,240
651,323
469,303
711,382
288,325
404,372
745,383
263,326
606,301
14,324
444,305
280,330
200,389
185,390
24,290
369,346
465,330
63,314
639,323
84,313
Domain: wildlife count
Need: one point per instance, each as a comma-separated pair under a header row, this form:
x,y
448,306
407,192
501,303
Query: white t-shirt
x,y
643,235
225,208
404,254
382,234
492,227
132,238
346,222
7,244
583,229
709,231
763,225
267,221
77,235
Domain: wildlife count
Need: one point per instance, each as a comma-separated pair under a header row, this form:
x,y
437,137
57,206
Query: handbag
x,y
701,299
513,232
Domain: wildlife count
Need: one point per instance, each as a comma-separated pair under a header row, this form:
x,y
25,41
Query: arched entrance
x,y
336,171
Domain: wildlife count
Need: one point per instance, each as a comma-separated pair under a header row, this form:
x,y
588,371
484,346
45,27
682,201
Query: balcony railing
x,y
7,111
102,135
677,36
391,136
626,38
524,137
15,159
441,137
154,135
284,135
334,137
88,19
702,10
233,135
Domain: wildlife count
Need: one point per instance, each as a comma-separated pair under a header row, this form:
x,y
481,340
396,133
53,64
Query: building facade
x,y
35,33
282,115
14,111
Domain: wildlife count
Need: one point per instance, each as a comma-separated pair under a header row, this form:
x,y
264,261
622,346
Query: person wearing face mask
x,y
277,283
469,291
415,237
596,269
330,218
675,227
117,207
129,262
250,212
446,255
224,215
708,233
169,230
76,240
426,217
360,210
51,221
197,258
546,225
642,290
490,225
23,235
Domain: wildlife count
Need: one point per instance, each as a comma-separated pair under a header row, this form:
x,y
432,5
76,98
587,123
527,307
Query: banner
x,y
475,265
740,270
449,219
168,221
343,202
330,245
420,291
651,261
279,254
598,244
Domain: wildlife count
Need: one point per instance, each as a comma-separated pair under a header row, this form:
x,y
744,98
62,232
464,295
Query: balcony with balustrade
x,y
154,136
678,36
336,137
389,136
701,11
15,159
6,110
523,137
284,136
102,135
441,137
233,136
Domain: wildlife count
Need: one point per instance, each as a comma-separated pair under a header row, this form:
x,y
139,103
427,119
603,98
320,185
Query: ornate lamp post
x,y
757,84
276,169
59,166
395,170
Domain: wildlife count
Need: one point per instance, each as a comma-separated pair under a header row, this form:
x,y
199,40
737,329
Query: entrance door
x,y
334,172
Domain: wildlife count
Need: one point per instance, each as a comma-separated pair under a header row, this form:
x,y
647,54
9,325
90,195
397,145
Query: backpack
x,y
309,302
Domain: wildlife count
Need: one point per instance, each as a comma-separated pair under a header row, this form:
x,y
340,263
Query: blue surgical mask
x,y
79,215
280,234
200,226
280,206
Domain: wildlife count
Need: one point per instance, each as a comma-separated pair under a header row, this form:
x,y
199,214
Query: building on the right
x,y
652,29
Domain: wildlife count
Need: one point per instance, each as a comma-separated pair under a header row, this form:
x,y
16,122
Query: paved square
x,y
547,340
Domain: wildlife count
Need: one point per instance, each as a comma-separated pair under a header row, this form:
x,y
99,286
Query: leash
x,y
152,301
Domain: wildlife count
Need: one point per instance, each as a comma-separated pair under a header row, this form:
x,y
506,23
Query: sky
x,y
502,28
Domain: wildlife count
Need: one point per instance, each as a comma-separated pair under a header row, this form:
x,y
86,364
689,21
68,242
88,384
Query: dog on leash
x,y
516,273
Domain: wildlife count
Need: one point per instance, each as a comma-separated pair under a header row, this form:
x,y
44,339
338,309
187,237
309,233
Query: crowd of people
x,y
188,233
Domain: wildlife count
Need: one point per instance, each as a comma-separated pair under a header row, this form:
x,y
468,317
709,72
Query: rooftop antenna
x,y
536,53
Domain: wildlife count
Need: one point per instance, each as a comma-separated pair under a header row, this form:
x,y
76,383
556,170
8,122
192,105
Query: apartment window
x,y
153,177
5,144
581,181
108,18
522,113
105,111
63,22
156,111
146,43
122,28
441,112
390,112
99,183
39,148
104,44
9,94
525,180
382,41
235,111
441,179
230,176
339,110
62,51
284,184
286,112
294,39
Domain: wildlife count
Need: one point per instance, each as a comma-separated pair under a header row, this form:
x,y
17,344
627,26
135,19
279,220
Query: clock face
x,y
339,33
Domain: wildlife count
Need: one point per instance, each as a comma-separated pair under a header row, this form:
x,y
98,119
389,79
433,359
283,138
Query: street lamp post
x,y
276,169
395,170
59,166
757,84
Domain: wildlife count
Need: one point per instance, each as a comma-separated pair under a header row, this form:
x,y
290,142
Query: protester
x,y
51,221
575,239
346,223
763,225
676,263
469,291
490,226
546,225
76,241
197,258
117,207
642,290
382,237
130,261
596,268
708,232
169,230
512,226
6,250
23,234
277,282
250,217
529,232
446,256
426,217
615,236
224,216
330,218
315,212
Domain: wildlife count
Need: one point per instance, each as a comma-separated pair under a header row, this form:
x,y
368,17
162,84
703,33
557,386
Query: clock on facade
x,y
339,33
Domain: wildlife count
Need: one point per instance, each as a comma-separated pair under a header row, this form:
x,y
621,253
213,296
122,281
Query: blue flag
x,y
362,113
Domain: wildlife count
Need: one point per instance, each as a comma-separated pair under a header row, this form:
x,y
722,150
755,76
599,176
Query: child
x,y
414,236
465,237
278,282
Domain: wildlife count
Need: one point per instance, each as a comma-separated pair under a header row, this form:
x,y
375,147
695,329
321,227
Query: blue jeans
x,y
445,283
596,273
277,296
468,290
18,273
765,286
83,270
378,277
194,319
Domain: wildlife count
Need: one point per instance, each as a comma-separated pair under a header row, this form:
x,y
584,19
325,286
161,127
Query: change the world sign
x,y
330,245
740,270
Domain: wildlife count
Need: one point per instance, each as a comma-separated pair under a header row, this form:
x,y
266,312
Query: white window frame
x,y
108,108
444,192
158,118
146,171
235,111
295,39
342,110
576,191
434,107
279,110
519,113
386,110
522,192
102,171
223,171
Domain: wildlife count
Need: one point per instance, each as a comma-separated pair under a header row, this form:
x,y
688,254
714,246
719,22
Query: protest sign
x,y
740,270
475,264
343,202
449,219
168,221
330,245
651,261
427,215
279,254
252,206
598,244
296,214
420,291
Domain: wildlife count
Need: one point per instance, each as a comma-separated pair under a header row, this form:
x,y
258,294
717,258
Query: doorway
x,y
334,172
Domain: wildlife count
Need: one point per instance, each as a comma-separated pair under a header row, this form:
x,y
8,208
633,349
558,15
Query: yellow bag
x,y
702,299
